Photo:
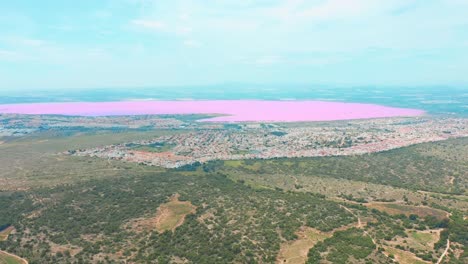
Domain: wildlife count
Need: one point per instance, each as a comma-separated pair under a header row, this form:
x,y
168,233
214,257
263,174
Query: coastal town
x,y
281,140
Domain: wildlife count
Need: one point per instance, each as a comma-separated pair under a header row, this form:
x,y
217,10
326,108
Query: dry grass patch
x,y
5,233
172,214
424,240
169,216
295,252
73,250
233,163
395,209
419,240
7,258
404,257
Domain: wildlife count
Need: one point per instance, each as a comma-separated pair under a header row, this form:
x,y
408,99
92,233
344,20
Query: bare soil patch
x,y
172,214
5,233
168,217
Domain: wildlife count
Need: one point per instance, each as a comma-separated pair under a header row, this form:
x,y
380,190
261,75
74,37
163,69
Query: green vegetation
x,y
458,228
13,205
295,252
278,133
408,210
7,259
190,117
418,167
5,232
404,257
231,214
342,246
422,238
154,147
88,210
33,161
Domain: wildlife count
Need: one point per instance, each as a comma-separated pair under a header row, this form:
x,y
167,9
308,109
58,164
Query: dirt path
x,y
359,223
296,181
14,256
445,252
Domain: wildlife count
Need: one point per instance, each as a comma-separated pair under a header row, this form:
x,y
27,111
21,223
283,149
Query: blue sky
x,y
130,43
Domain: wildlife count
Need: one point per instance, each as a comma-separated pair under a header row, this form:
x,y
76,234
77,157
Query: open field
x,y
295,252
405,257
416,240
172,214
396,209
35,160
424,240
153,147
4,233
168,217
6,258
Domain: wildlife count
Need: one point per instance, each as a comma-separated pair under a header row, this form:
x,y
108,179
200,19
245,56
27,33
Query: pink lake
x,y
231,110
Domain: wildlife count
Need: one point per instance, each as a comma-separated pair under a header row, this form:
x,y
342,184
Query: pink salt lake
x,y
230,110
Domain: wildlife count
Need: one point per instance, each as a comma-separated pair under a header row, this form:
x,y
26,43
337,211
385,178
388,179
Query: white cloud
x,y
328,10
184,30
157,25
102,14
258,60
23,41
149,24
32,42
333,9
267,60
184,17
8,55
192,43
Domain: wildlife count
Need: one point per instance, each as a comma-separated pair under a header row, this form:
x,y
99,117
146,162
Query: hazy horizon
x,y
226,86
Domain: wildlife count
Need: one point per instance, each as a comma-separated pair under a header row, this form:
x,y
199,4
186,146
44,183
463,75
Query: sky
x,y
68,44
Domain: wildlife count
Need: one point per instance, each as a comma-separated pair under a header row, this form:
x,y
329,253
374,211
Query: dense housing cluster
x,y
266,142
